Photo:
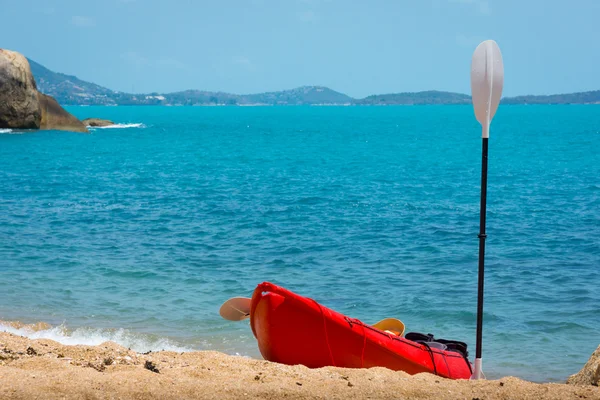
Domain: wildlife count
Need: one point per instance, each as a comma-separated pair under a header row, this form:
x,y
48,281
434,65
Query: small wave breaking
x,y
5,130
119,126
138,342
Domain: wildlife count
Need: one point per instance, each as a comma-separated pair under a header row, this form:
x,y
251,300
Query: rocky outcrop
x,y
97,122
54,117
19,106
22,106
590,374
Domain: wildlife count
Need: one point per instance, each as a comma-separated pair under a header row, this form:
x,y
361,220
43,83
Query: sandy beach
x,y
46,369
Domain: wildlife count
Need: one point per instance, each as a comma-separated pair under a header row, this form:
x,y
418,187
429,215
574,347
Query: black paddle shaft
x,y
482,236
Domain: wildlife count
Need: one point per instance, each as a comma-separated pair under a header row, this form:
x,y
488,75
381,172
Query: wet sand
x,y
46,369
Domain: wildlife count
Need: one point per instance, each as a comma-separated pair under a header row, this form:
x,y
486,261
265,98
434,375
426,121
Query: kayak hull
x,y
291,329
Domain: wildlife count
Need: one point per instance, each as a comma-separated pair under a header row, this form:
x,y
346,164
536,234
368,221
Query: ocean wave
x,y
138,342
5,130
119,126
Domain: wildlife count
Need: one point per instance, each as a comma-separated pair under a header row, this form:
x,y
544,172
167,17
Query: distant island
x,y
70,90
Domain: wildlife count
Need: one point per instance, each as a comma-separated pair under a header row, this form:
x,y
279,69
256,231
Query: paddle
x,y
487,78
236,309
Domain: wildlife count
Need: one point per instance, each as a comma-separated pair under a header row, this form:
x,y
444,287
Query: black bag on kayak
x,y
442,344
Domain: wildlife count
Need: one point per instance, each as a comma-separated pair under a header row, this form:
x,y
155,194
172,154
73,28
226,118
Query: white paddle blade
x,y
487,79
477,370
236,309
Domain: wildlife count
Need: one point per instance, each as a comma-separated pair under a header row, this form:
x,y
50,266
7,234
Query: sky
x,y
355,47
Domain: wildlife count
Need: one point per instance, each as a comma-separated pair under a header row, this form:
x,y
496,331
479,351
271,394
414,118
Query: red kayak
x,y
292,329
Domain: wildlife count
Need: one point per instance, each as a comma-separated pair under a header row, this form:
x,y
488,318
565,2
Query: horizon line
x,y
308,86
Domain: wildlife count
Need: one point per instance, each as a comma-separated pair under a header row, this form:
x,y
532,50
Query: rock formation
x,y
22,106
97,122
19,106
56,118
590,374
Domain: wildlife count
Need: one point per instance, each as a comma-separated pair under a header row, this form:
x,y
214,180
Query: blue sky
x,y
356,47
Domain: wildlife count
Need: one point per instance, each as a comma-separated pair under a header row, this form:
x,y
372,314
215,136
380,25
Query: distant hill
x,y
70,90
298,96
301,95
570,98
67,89
416,98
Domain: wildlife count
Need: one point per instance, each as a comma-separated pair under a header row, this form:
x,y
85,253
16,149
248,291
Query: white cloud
x,y
308,16
134,58
470,41
45,10
140,61
244,63
241,60
82,22
171,63
483,6
312,2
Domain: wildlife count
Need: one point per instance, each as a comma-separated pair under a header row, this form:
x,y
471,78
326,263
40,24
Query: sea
x,y
139,232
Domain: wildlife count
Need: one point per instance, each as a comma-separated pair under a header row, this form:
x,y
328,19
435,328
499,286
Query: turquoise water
x,y
138,234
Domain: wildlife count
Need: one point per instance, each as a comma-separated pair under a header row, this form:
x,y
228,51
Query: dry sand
x,y
44,369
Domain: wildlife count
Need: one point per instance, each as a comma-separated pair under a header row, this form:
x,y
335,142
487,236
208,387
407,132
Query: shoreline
x,y
32,368
145,342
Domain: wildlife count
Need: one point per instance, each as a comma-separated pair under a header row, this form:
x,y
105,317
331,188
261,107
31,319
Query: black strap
x,y
432,357
416,336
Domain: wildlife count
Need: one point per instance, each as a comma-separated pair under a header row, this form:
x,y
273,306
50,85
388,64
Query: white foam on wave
x,y
138,342
119,126
5,130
